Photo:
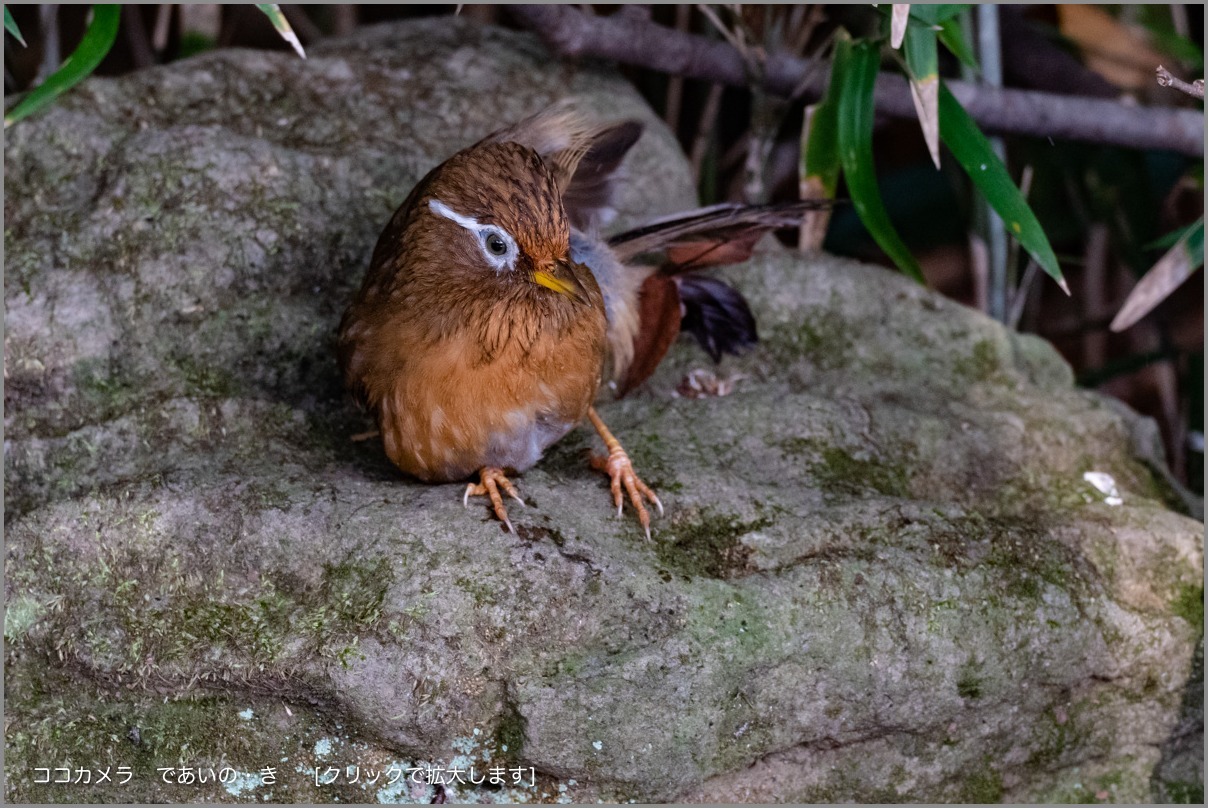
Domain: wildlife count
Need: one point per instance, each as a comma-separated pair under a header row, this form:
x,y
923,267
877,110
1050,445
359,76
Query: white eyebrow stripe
x,y
441,209
499,262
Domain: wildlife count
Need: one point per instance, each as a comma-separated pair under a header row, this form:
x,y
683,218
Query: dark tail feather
x,y
717,315
720,223
712,310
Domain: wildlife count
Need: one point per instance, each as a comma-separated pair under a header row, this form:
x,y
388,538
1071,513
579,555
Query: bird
x,y
494,312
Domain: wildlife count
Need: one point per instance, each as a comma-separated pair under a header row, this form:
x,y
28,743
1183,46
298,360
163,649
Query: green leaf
x,y
854,72
936,13
277,18
922,62
922,58
1176,266
10,25
942,19
972,150
98,39
931,14
818,173
820,161
950,34
1170,239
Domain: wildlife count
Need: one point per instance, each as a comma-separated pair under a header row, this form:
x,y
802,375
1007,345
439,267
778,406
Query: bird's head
x,y
493,215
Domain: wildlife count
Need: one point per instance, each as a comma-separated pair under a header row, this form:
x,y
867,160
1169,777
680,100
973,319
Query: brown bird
x,y
481,332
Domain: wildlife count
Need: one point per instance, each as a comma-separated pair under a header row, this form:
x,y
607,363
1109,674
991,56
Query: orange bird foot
x,y
492,479
620,471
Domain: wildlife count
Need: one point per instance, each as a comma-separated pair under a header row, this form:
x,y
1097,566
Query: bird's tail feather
x,y
675,298
705,231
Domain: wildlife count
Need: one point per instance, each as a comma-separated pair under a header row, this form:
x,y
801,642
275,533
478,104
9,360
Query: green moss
x,y
356,589
981,364
1018,552
824,339
840,472
982,786
166,618
206,379
106,393
476,589
709,544
1189,605
1054,737
1183,793
969,685
20,614
56,718
511,732
796,447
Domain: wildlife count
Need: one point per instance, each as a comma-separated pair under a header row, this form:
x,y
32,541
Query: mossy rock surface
x,y
881,575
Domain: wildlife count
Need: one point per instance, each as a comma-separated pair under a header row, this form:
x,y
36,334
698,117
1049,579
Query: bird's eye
x,y
496,244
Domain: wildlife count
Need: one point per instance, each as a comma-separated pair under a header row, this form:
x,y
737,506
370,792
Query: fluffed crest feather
x,y
560,133
583,157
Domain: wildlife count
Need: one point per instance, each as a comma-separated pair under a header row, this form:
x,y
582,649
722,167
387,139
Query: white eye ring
x,y
489,237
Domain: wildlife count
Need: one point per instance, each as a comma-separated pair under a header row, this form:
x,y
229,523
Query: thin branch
x,y
569,32
1020,299
1195,89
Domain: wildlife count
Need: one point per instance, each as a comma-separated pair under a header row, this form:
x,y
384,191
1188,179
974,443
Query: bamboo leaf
x,y
10,25
98,39
922,60
1164,277
277,18
855,76
972,150
818,174
936,13
931,14
1170,239
942,19
950,34
820,159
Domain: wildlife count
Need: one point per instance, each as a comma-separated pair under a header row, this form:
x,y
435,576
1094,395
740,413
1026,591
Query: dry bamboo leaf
x,y
926,97
901,13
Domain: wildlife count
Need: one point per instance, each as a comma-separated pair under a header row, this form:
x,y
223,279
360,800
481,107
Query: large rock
x,y
881,575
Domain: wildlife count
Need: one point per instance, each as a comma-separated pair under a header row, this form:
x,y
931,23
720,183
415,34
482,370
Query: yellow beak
x,y
560,278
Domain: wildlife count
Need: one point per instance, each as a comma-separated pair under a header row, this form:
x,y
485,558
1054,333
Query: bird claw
x,y
492,479
620,471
